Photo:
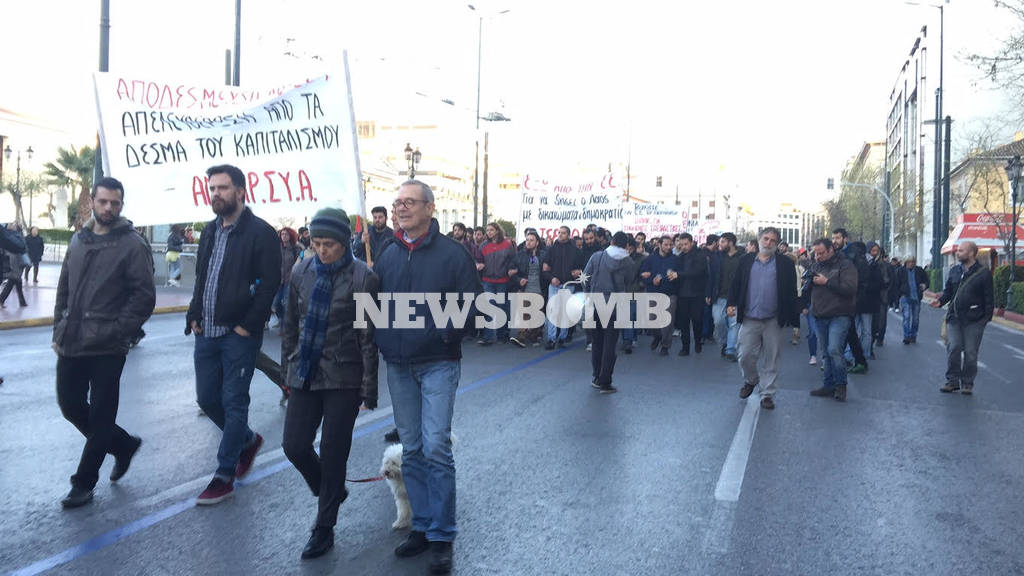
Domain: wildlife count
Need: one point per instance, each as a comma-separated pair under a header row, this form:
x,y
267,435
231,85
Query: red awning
x,y
985,235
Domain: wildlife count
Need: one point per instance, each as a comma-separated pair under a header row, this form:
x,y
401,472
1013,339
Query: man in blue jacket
x,y
424,366
659,276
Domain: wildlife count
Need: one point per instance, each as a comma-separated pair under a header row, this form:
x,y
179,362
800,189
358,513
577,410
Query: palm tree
x,y
73,171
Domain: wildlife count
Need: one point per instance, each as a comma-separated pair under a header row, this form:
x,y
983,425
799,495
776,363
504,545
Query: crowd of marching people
x,y
746,299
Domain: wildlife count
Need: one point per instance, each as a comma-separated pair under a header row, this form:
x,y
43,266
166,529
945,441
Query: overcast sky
x,y
769,97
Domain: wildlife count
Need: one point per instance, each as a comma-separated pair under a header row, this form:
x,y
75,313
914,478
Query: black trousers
x,y
272,369
854,341
35,272
12,283
324,473
88,388
602,354
690,312
880,322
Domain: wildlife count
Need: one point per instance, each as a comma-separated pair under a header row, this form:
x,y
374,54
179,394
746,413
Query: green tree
x,y
507,227
72,170
858,209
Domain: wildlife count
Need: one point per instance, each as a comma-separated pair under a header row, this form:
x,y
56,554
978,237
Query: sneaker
x,y
246,458
481,341
415,544
485,343
859,369
840,394
655,342
76,497
517,342
732,357
813,361
608,389
121,464
441,557
590,347
967,389
594,384
950,387
767,403
320,541
549,345
746,390
795,341
823,392
216,491
392,436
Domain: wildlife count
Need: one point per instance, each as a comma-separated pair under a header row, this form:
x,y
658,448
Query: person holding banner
x,y
238,271
370,244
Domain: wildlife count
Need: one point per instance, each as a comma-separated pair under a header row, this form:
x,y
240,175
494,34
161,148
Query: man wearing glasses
x,y
424,366
763,300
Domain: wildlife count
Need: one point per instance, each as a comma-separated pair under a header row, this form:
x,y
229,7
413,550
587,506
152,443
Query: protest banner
x,y
296,144
653,219
546,204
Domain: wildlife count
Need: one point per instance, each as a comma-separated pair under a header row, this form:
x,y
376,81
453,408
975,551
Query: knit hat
x,y
331,223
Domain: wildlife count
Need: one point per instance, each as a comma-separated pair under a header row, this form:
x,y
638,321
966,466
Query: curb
x,y
48,321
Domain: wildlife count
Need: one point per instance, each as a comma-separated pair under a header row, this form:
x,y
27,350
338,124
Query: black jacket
x,y
870,300
11,243
175,241
249,278
787,313
349,358
970,292
105,292
379,240
35,246
838,296
562,259
522,268
434,264
693,272
902,281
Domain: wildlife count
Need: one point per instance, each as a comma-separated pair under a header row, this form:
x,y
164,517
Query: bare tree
x,y
1004,68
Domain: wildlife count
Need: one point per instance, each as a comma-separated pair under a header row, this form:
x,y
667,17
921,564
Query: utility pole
x,y
227,67
944,231
238,42
476,155
97,166
937,180
486,163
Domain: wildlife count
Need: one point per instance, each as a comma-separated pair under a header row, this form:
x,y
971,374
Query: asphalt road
x,y
672,475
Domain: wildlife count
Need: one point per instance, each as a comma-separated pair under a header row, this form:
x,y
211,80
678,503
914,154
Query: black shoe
x,y
121,464
608,389
594,384
840,394
77,497
549,345
441,557
392,436
746,391
731,357
698,347
684,351
561,344
823,392
906,340
655,342
320,541
414,545
663,352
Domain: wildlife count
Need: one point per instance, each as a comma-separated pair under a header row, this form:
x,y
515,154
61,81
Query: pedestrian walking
x,y
911,283
12,266
526,277
968,292
560,265
608,273
34,245
880,317
634,286
291,252
175,244
377,237
659,276
331,366
856,355
718,287
104,296
692,268
763,300
424,367
833,293
499,256
238,270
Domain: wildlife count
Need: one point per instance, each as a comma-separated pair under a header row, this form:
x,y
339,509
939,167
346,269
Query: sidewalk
x,y
41,298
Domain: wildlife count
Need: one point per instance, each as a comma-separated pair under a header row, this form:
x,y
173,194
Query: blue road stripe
x,y
120,533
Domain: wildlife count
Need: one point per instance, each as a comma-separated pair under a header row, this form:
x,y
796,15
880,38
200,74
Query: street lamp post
x,y
413,158
1013,170
888,200
17,177
476,155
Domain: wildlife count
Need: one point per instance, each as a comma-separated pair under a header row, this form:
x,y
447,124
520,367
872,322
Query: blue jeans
x,y
280,299
725,325
224,368
423,399
490,334
173,269
812,334
832,335
552,332
911,310
867,341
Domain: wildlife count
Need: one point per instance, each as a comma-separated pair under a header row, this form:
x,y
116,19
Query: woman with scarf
x,y
331,366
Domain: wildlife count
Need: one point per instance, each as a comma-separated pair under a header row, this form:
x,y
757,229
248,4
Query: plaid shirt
x,y
220,243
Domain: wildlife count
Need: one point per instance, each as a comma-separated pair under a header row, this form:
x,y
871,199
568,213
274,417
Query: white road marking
x,y
730,481
1015,349
940,343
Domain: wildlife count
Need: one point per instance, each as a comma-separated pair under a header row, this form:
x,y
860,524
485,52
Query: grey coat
x,y
349,359
105,292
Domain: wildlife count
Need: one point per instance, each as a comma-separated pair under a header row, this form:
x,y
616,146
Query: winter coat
x,y
249,278
562,259
431,264
11,244
787,312
349,358
105,292
35,245
499,257
659,265
636,283
871,299
289,256
608,271
728,266
522,268
692,268
379,240
903,281
971,293
175,242
837,297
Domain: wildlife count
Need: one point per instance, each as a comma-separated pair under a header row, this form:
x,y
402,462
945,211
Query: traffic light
x,y
831,183
658,182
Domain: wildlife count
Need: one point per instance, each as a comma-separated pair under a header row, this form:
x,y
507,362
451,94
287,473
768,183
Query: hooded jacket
x,y
432,264
608,271
105,292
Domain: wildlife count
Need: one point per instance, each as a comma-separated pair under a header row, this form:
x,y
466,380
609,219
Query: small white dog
x,y
391,470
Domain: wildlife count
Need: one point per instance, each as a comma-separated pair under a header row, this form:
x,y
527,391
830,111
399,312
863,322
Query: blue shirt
x,y
762,293
220,244
912,281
